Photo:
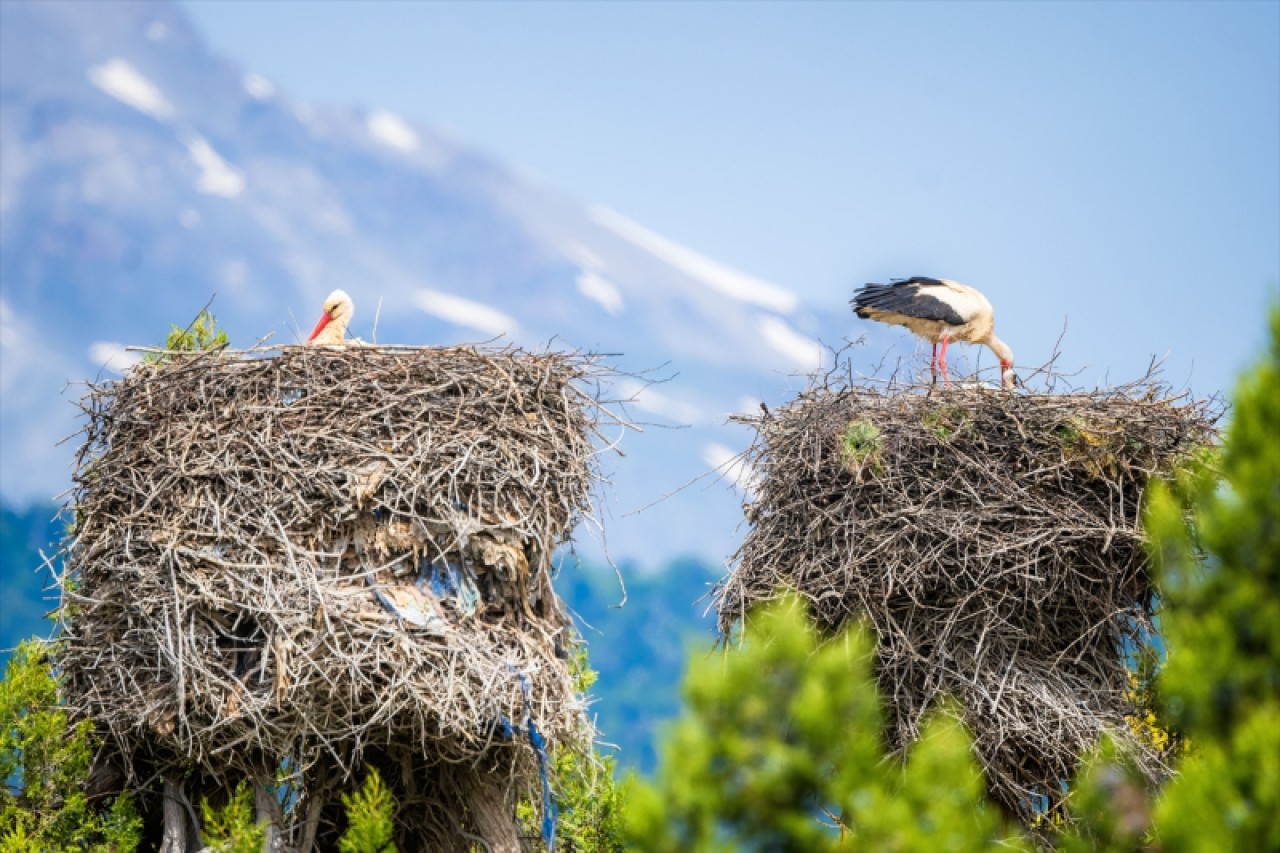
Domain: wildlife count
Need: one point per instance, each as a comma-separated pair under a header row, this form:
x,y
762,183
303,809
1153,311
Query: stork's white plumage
x,y
940,311
331,330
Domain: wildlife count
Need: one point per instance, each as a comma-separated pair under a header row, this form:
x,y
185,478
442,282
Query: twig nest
x,y
993,541
322,551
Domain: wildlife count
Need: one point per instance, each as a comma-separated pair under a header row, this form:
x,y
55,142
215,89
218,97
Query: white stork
x,y
939,311
331,331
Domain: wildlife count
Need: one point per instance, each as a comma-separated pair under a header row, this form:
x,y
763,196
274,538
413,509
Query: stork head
x,y
338,309
1008,378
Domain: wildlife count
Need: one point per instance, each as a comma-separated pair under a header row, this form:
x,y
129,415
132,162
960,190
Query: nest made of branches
x,y
250,529
994,543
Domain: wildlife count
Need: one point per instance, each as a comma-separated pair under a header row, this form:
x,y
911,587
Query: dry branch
x,y
992,540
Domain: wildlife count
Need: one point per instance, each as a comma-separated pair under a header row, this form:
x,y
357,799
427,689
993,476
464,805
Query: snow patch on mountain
x,y
802,351
717,276
123,82
583,257
312,119
465,312
216,177
393,131
258,87
600,290
11,332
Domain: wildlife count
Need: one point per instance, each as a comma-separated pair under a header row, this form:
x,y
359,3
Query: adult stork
x,y
940,311
331,331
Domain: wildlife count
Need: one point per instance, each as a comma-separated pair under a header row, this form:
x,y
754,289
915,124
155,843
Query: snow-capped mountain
x,y
140,173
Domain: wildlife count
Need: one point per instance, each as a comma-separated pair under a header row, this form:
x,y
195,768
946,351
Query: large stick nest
x,y
250,532
992,540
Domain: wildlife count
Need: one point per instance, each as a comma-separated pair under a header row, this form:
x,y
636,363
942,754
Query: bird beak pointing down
x,y
1008,378
324,321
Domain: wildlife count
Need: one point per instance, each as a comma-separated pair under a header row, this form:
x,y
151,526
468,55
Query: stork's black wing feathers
x,y
910,298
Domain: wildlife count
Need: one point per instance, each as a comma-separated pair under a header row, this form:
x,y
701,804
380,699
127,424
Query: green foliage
x,y
44,758
587,793
1110,805
781,750
860,443
1221,583
1215,536
585,788
203,334
1093,448
591,804
947,421
370,814
370,818
232,829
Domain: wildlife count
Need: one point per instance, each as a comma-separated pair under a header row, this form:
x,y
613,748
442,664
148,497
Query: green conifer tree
x,y
232,828
370,818
44,760
781,750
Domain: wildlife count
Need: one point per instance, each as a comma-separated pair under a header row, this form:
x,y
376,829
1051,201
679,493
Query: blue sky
x,y
1114,167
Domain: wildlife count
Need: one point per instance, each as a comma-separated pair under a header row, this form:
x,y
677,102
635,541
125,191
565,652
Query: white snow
x,y
583,257
604,292
393,131
802,351
11,332
713,274
122,81
465,312
312,119
732,465
216,177
648,399
258,87
113,356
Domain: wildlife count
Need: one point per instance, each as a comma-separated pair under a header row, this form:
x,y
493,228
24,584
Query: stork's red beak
x,y
324,321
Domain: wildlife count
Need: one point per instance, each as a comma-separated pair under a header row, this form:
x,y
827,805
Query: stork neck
x,y
1001,349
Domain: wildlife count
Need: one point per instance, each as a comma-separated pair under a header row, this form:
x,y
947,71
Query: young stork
x,y
939,311
331,331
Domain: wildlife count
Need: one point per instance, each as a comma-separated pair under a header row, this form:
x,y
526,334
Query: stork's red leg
x,y
942,360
